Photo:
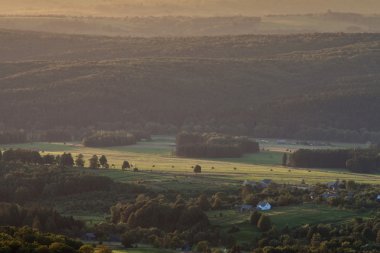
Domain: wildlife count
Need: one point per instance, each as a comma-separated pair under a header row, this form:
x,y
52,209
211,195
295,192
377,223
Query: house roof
x,y
263,203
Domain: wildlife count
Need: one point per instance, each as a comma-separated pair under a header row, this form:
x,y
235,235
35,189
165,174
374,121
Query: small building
x,y
264,206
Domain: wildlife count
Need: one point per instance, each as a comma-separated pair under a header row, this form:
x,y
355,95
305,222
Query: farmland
x,y
281,217
160,168
161,172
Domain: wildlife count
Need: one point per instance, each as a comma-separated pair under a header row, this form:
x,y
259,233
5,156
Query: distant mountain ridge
x,y
185,7
180,26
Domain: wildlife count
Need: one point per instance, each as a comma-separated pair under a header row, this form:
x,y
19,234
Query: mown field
x,y
158,165
281,217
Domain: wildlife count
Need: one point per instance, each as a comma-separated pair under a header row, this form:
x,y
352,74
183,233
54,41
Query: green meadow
x,y
281,217
156,163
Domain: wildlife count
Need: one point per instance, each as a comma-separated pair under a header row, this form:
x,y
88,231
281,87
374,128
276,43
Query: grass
x,y
262,158
281,217
155,162
312,214
289,215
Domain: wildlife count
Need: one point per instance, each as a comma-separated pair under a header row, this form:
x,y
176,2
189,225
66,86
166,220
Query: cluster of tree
x,y
275,194
213,145
26,239
34,157
109,139
160,213
43,219
96,162
33,183
64,160
11,137
261,221
362,160
358,235
165,223
347,194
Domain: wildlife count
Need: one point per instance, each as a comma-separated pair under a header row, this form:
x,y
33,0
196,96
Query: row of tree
x,y
65,160
114,138
361,160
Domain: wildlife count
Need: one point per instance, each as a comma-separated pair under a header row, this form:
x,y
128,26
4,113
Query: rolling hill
x,y
315,86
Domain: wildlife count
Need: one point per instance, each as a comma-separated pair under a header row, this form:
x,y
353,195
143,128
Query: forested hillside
x,y
319,86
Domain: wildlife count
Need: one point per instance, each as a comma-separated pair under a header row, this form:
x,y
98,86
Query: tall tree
x,y
197,169
79,162
66,160
125,165
94,162
103,161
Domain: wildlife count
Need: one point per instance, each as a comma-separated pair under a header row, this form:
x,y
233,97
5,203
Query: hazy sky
x,y
184,7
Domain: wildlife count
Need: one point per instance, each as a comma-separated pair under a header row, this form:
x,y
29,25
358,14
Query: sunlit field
x,y
156,160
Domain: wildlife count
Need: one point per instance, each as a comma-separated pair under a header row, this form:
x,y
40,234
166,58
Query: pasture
x,y
156,163
281,217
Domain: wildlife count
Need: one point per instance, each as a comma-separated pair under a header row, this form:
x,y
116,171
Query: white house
x,y
264,206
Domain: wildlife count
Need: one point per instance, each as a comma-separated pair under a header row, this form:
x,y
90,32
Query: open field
x,y
157,164
283,216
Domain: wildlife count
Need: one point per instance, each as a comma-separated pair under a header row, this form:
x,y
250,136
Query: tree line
x,y
359,160
27,156
213,145
114,138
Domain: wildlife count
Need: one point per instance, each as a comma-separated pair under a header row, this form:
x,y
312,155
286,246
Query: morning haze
x,y
178,126
185,7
